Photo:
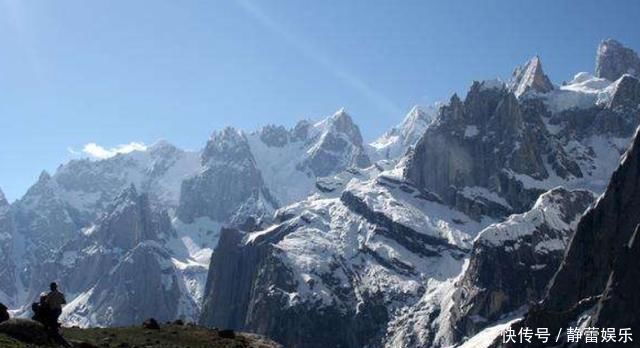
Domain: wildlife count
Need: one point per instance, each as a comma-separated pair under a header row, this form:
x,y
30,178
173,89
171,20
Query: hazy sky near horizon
x,y
108,73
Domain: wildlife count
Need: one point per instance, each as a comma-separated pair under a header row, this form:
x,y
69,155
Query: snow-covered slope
x,y
395,143
291,160
347,263
88,185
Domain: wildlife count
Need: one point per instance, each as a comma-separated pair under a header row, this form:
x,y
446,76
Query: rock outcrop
x,y
338,145
123,254
595,284
512,262
530,77
397,141
8,289
229,179
486,142
25,330
614,60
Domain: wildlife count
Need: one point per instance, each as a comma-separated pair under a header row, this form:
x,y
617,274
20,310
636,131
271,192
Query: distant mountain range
x,y
439,233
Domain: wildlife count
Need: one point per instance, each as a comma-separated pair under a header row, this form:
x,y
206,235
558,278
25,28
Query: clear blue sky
x,y
113,72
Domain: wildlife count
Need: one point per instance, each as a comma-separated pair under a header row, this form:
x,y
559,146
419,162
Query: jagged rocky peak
x,y
626,92
163,148
396,142
530,77
475,142
614,60
228,181
227,145
417,113
6,220
338,146
42,213
131,220
274,136
3,199
8,288
44,177
301,130
414,124
341,122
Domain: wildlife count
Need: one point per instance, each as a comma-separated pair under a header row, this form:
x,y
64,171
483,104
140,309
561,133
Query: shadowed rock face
x,y
598,278
229,179
119,268
482,141
246,280
338,147
495,141
614,60
512,262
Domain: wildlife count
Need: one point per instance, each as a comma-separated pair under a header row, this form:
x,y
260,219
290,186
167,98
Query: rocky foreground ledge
x,y
22,333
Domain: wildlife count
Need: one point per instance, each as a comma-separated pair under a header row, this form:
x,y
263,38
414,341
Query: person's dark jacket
x,y
4,313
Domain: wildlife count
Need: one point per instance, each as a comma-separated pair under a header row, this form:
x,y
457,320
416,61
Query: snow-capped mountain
x,y
396,142
530,77
56,209
291,160
398,255
337,264
445,227
158,212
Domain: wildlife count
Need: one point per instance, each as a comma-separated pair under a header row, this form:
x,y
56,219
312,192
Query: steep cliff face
x,y
485,142
44,222
122,268
43,216
344,264
530,77
614,60
229,179
518,148
512,262
338,145
7,268
594,284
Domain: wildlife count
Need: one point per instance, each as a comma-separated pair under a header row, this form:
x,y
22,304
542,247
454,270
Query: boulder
x,y
151,324
25,330
227,334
